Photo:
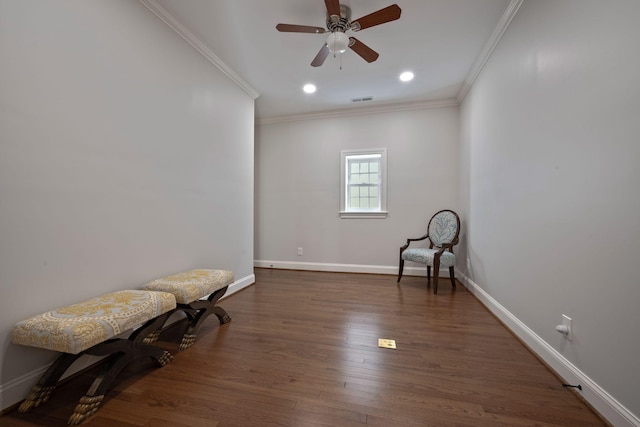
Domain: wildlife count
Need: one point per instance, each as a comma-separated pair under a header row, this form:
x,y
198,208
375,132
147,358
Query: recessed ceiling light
x,y
309,88
406,76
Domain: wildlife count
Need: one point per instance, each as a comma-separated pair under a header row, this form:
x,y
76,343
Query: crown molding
x,y
359,111
190,38
478,65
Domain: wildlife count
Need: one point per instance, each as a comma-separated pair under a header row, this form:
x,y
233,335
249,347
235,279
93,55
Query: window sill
x,y
363,215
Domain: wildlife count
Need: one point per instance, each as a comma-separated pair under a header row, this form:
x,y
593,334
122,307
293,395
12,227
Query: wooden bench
x,y
92,327
190,289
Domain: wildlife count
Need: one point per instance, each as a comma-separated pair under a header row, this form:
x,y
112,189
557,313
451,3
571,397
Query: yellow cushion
x,y
78,327
192,285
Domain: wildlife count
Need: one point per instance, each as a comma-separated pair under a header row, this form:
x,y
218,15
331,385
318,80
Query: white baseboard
x,y
596,396
347,268
16,390
240,284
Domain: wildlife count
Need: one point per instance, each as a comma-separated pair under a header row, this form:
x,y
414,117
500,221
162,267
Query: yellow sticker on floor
x,y
385,343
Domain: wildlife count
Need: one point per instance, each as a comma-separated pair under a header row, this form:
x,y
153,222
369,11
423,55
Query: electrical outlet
x,y
468,264
566,321
300,251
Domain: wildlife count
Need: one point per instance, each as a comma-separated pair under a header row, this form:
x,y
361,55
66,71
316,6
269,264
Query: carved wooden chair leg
x,y
453,277
436,270
41,392
400,268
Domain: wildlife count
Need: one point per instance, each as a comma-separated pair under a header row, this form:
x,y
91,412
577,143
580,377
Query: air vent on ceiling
x,y
363,99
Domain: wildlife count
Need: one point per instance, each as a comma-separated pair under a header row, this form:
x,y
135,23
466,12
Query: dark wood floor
x,y
302,350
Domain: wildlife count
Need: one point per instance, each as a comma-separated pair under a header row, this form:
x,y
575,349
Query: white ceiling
x,y
441,41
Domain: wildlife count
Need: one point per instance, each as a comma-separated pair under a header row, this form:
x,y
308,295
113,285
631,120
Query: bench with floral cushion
x,y
196,293
93,327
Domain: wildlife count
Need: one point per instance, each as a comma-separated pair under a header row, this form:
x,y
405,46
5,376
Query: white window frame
x,y
345,211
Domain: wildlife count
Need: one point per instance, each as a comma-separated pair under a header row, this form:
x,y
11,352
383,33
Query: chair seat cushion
x,y
425,256
192,285
78,327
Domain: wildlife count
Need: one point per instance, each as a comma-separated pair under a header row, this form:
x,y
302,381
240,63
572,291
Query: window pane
x,y
362,181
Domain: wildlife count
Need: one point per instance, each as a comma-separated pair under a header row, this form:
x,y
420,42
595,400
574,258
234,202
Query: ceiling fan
x,y
338,23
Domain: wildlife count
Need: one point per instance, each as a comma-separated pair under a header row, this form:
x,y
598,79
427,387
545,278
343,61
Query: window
x,y
363,175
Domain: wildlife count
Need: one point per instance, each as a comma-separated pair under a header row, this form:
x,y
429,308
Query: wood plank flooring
x,y
302,350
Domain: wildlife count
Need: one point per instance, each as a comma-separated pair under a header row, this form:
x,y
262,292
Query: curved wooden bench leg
x,y
222,315
150,331
204,309
41,392
90,402
120,353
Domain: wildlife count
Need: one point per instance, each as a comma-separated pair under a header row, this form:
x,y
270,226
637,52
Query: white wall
x,y
549,186
297,187
124,156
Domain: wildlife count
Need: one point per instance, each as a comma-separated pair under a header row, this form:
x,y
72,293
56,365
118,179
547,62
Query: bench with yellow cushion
x,y
190,289
92,327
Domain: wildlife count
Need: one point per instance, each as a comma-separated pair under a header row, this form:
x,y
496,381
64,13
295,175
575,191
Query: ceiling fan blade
x,y
333,7
291,28
363,50
390,13
321,56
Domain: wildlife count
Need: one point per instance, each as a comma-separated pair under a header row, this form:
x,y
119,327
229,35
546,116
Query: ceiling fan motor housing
x,y
341,23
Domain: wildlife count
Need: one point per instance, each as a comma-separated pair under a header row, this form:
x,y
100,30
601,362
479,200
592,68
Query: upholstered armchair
x,y
442,235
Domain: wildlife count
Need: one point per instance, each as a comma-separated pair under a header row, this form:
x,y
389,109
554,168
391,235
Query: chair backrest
x,y
444,227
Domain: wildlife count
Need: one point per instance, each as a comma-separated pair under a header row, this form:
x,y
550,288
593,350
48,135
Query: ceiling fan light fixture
x,y
337,42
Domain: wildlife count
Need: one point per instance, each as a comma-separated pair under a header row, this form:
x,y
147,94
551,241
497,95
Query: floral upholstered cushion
x,y
443,228
425,256
78,327
192,285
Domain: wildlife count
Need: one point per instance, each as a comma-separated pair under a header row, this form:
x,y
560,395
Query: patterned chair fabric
x,y
443,228
442,235
78,327
192,285
426,256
